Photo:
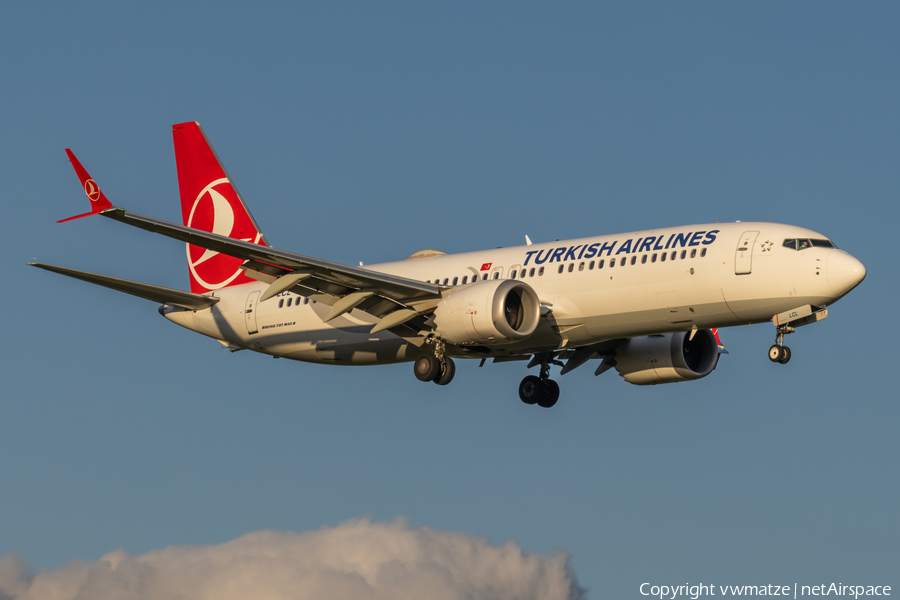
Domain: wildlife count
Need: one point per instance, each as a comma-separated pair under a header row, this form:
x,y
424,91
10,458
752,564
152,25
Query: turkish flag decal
x,y
486,266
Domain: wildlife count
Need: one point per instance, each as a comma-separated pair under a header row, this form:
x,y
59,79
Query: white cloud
x,y
357,560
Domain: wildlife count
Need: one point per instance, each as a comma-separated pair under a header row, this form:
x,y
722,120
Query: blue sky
x,y
361,131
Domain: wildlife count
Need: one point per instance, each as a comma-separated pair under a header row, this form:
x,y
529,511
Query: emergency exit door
x,y
743,256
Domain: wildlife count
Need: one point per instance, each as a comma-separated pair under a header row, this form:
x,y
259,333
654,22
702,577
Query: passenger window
x,y
703,253
522,274
622,262
581,267
591,266
497,275
513,274
663,256
654,258
674,255
644,259
571,267
531,272
683,254
633,259
281,303
694,253
455,279
465,279
484,277
306,301
289,302
600,264
541,272
561,267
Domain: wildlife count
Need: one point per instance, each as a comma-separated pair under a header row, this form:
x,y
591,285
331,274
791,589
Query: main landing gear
x,y
436,367
780,353
541,390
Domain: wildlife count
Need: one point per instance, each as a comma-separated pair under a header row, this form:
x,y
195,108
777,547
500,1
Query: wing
x,y
156,293
402,304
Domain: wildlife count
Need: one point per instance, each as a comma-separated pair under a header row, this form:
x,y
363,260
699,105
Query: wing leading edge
x,y
156,293
400,303
277,263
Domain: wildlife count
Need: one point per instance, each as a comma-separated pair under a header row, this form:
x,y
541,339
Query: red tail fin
x,y
209,201
99,203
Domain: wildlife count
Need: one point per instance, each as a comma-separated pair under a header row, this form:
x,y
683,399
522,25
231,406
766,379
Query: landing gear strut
x,y
779,352
541,390
436,367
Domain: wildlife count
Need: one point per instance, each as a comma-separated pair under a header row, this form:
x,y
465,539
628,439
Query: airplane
x,y
646,303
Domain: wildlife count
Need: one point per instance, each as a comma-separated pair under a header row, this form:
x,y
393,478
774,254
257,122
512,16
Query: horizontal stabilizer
x,y
142,290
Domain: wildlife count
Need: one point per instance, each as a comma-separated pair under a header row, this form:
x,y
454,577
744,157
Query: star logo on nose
x,y
766,246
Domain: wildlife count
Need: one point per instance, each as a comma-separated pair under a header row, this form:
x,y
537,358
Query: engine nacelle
x,y
493,312
668,358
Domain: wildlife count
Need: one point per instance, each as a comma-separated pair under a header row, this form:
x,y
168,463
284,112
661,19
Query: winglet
x,y
719,343
99,203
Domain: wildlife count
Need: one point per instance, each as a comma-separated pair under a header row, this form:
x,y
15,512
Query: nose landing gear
x,y
541,390
780,353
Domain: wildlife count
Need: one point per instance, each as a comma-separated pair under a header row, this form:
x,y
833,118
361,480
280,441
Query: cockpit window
x,y
803,244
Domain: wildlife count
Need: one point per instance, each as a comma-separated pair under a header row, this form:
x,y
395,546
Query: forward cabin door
x,y
250,312
743,256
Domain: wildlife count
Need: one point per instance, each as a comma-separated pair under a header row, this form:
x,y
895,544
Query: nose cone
x,y
844,272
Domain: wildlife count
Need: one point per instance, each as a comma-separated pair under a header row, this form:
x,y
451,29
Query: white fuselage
x,y
716,275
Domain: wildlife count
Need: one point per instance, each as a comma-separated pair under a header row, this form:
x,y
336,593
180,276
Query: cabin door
x,y
250,312
743,256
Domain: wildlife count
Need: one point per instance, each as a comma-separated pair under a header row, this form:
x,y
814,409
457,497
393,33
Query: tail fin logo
x,y
92,190
213,211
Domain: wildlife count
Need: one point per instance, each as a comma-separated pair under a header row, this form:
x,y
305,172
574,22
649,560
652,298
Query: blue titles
x,y
648,244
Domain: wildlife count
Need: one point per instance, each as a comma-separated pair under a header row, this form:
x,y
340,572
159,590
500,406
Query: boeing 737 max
x,y
647,303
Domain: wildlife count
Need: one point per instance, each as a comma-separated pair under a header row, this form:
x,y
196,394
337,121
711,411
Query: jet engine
x,y
493,312
668,358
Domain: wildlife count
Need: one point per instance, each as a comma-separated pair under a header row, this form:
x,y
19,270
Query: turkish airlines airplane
x,y
646,303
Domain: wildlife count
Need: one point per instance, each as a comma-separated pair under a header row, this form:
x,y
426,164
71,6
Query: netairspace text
x,y
791,591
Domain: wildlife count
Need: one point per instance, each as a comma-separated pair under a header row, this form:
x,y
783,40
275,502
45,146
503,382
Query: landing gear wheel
x,y
531,389
779,352
427,367
447,375
786,352
776,353
550,396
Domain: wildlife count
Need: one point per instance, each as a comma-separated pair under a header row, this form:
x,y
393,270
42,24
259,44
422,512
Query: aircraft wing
x,y
156,293
395,300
